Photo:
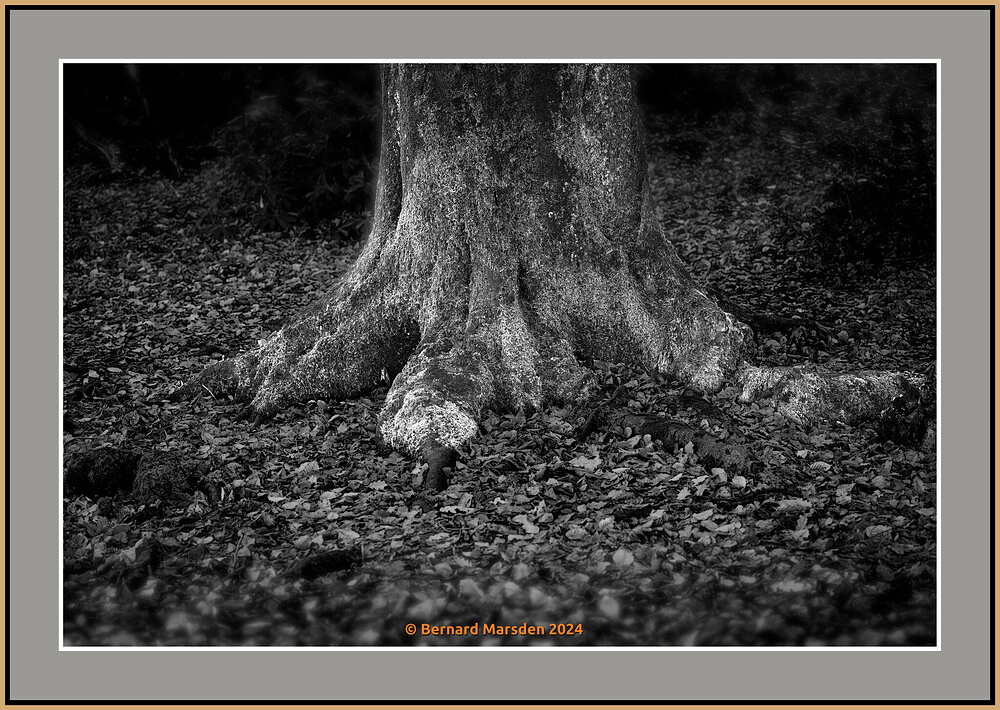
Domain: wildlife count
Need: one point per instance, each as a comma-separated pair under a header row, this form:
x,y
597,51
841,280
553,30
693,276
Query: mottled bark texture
x,y
514,237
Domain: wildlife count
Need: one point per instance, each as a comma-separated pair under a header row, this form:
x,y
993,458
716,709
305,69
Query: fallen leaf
x,y
529,527
622,558
576,533
794,504
521,571
588,464
610,607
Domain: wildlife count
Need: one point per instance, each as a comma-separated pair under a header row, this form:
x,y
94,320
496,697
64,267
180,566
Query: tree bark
x,y
514,237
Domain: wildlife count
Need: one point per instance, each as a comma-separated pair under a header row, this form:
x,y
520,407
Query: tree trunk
x,y
514,237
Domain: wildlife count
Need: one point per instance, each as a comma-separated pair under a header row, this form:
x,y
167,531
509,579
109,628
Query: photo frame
x,y
959,672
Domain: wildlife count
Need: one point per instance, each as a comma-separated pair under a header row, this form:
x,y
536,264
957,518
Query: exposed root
x,y
563,378
598,415
670,432
699,407
894,403
335,350
345,354
661,321
437,398
711,451
706,348
216,381
490,359
440,460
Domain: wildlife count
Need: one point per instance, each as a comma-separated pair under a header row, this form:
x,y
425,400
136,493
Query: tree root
x,y
598,415
341,347
437,398
488,359
440,461
698,406
216,381
897,405
712,452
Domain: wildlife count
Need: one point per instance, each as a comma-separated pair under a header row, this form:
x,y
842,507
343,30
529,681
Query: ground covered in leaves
x,y
305,531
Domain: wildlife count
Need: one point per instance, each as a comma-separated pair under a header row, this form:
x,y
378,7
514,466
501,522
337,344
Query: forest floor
x,y
830,538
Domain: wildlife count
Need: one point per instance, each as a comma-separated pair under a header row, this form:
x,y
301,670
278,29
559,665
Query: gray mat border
x,y
38,38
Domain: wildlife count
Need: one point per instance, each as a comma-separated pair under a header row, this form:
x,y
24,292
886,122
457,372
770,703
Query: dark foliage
x,y
158,117
882,201
299,140
869,130
303,153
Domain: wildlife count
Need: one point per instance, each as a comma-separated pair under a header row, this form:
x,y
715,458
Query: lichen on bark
x,y
514,236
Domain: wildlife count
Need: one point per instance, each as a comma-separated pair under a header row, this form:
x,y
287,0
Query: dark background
x,y
300,141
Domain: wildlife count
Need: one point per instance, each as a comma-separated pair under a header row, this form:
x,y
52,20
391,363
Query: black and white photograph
x,y
500,354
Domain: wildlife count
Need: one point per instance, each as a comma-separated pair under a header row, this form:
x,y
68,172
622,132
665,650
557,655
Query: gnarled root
x,y
460,369
334,350
217,380
437,398
440,460
711,451
896,404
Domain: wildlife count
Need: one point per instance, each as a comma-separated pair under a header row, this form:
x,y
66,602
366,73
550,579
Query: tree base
x,y
514,239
